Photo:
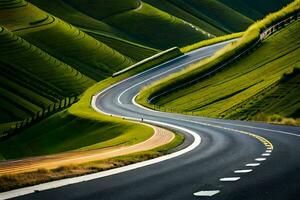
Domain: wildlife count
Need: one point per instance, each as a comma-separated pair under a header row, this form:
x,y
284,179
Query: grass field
x,y
26,84
65,132
79,127
50,50
144,21
229,15
114,38
251,87
13,181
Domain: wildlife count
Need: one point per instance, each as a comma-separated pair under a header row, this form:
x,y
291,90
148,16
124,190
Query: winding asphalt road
x,y
236,160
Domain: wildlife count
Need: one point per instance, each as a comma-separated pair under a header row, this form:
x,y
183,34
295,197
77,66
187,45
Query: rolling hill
x,y
262,84
26,84
55,49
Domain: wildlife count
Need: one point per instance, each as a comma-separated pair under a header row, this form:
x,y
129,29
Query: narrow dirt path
x,y
160,137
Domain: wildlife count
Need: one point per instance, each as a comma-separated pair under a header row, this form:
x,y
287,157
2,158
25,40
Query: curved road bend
x,y
236,160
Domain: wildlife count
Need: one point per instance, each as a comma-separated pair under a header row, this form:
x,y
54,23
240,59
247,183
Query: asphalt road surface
x,y
236,160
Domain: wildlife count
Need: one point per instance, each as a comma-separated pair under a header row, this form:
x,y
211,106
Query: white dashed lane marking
x,y
207,193
230,179
265,154
252,164
260,159
243,171
268,151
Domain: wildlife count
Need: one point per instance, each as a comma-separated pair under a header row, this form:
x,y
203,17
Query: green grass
x,y
49,77
74,47
145,22
77,128
186,15
13,181
11,4
20,17
43,58
240,91
229,15
131,49
105,33
211,41
65,132
155,60
223,16
73,16
100,9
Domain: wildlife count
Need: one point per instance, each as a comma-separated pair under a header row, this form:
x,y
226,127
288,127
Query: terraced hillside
x,y
26,84
56,49
230,15
252,87
72,46
120,41
141,20
36,71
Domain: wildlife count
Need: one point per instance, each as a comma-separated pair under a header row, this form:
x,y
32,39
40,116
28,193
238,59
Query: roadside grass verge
x,y
14,181
212,41
218,95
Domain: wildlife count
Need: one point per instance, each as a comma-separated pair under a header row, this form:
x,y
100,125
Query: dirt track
x,y
160,137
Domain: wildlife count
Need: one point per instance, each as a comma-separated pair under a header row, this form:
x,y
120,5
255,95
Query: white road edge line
x,y
207,193
230,179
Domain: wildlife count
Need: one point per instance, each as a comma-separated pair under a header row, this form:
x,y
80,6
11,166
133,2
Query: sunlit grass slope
x,y
28,85
100,9
132,24
142,21
251,86
230,15
76,48
66,12
157,28
173,9
72,46
131,49
65,132
6,4
114,38
77,128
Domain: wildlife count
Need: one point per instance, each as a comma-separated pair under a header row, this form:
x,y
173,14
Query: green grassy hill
x,y
141,20
107,8
11,4
252,87
72,46
59,135
27,86
112,37
54,49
